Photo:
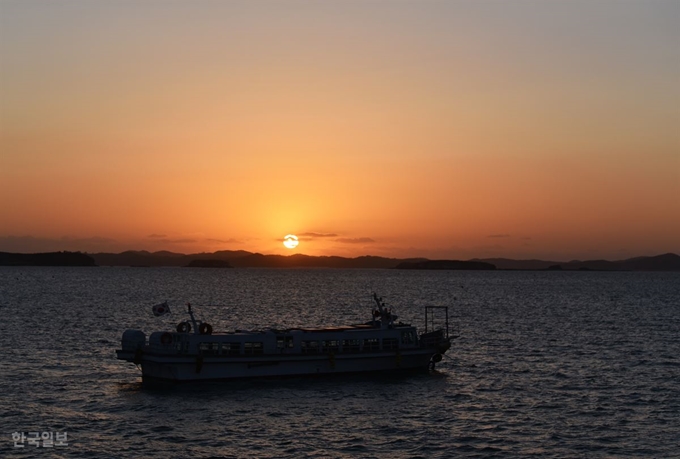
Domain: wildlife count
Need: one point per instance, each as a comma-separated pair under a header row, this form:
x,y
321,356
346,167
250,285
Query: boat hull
x,y
165,368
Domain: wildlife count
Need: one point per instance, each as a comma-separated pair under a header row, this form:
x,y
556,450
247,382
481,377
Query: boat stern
x,y
132,343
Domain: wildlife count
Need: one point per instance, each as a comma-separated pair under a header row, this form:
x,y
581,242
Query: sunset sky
x,y
441,129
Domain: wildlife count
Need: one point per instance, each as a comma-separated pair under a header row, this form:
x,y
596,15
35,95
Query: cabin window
x,y
231,348
371,344
350,345
284,342
407,337
309,347
390,343
208,348
330,346
253,348
181,344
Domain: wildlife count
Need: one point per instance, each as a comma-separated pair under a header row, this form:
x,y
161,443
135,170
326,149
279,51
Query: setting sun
x,y
290,241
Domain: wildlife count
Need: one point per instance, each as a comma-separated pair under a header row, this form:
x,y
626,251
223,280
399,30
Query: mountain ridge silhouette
x,y
245,259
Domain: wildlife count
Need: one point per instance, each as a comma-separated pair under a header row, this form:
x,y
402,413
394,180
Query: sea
x,y
546,364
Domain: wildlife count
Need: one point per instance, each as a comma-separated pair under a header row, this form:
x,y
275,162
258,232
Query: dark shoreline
x,y
242,259
46,259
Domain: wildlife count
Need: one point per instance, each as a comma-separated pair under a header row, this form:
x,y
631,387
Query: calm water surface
x,y
548,364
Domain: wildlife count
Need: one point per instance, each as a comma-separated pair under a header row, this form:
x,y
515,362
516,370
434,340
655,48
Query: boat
x,y
192,352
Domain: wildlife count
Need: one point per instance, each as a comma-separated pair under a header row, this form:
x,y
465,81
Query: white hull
x,y
206,368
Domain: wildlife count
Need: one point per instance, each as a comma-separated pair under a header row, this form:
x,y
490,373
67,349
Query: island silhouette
x,y
245,259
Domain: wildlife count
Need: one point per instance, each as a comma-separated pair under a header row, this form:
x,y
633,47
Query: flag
x,y
160,309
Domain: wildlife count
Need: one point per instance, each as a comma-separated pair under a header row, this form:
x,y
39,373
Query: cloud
x,y
224,241
315,235
179,241
355,240
189,240
310,236
89,240
498,235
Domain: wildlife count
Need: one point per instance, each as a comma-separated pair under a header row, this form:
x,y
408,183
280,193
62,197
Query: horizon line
x,y
339,256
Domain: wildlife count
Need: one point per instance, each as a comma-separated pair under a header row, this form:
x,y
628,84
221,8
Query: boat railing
x,y
433,339
434,315
437,319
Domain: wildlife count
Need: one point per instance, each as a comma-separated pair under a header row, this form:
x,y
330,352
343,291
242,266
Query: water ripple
x,y
547,365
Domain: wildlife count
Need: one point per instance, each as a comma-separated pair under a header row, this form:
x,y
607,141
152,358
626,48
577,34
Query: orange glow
x,y
437,130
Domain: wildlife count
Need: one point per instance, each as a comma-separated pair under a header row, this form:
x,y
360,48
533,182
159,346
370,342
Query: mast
x,y
386,316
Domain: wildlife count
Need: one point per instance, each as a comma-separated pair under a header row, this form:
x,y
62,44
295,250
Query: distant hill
x,y
163,258
257,260
665,262
446,264
244,259
46,259
209,264
508,263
